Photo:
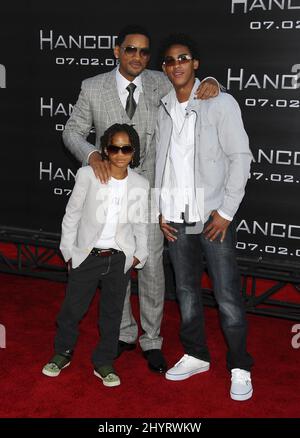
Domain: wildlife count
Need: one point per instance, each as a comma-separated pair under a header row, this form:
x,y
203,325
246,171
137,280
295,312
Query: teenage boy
x,y
202,152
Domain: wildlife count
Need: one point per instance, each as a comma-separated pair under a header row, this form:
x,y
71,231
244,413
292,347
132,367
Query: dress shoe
x,y
124,346
156,361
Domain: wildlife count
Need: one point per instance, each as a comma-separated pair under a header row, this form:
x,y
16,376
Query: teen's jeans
x,y
186,255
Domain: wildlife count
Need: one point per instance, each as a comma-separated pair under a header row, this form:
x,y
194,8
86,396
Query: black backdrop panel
x,y
251,46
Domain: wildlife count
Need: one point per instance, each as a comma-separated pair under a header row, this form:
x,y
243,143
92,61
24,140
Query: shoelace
x,y
184,358
53,366
111,377
240,376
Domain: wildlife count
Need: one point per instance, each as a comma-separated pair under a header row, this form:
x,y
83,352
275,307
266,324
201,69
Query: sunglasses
x,y
132,51
169,61
126,149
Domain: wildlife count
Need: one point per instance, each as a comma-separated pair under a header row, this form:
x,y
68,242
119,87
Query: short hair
x,y
132,29
178,39
106,138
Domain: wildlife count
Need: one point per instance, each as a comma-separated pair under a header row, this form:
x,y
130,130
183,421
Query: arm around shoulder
x,y
228,118
141,226
235,144
79,125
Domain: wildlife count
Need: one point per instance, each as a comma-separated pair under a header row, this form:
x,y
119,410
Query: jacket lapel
x,y
149,90
110,98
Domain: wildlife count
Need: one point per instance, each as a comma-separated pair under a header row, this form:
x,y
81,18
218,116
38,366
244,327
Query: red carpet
x,y
28,310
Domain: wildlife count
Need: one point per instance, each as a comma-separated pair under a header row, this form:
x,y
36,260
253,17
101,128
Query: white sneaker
x,y
241,386
187,367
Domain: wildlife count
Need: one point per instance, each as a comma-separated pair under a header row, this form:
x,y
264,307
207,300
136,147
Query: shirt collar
x,y
170,99
122,83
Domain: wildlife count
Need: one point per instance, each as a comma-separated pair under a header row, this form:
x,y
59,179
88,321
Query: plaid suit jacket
x,y
99,106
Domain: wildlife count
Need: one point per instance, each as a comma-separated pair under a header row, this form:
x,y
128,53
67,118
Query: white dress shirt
x,y
122,84
181,157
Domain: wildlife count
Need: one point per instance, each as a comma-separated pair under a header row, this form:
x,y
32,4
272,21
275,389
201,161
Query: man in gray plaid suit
x,y
130,94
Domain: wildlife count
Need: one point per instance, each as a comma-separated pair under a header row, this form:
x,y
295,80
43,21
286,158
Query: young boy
x,y
104,234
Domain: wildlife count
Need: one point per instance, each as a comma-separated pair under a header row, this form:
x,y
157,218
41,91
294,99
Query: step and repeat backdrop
x,y
251,46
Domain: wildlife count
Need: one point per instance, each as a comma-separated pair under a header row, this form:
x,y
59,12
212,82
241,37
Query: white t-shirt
x,y
117,189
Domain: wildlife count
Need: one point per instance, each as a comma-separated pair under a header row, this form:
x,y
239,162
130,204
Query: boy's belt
x,y
104,252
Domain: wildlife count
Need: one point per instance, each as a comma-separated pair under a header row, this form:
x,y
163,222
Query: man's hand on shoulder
x,y
100,167
208,88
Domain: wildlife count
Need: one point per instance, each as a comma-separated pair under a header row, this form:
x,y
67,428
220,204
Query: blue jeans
x,y
187,260
186,256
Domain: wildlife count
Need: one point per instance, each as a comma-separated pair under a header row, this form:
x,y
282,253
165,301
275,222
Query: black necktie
x,y
130,102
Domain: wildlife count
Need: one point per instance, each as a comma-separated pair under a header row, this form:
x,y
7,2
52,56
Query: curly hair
x,y
181,39
106,138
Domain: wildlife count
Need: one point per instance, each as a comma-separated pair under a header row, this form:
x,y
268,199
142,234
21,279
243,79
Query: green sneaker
x,y
107,375
56,364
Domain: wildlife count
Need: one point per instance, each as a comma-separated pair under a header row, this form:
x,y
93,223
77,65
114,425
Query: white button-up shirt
x,y
181,157
122,84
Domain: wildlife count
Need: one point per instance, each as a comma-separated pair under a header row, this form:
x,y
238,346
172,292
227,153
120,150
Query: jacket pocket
x,y
209,143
